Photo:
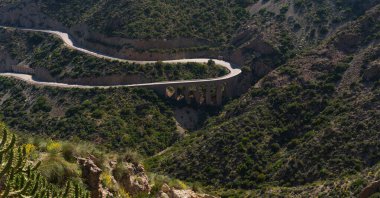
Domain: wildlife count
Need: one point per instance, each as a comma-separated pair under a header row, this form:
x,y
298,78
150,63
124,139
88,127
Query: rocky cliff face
x,y
133,179
91,175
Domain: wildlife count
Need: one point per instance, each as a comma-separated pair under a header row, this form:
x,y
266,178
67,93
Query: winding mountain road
x,y
69,43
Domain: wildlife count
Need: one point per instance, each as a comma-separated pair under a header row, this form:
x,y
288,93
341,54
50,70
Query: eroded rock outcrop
x,y
167,192
132,178
91,174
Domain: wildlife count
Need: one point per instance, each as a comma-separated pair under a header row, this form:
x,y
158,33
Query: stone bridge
x,y
202,93
209,92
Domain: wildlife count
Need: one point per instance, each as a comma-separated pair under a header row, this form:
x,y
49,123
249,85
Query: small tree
x,y
211,63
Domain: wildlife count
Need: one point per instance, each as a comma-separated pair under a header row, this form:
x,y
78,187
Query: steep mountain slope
x,y
314,118
143,30
259,34
278,30
209,20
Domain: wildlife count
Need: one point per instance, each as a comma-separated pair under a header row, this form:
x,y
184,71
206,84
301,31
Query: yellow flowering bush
x,y
106,178
178,184
123,193
54,147
29,148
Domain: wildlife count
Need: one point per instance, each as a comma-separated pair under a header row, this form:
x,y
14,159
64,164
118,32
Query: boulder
x,y
91,175
370,189
133,178
165,188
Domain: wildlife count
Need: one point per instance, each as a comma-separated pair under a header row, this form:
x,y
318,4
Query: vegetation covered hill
x,y
308,128
120,119
33,166
314,118
46,51
278,30
213,20
310,20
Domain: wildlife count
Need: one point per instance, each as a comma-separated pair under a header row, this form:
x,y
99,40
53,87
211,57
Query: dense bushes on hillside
x,y
311,127
291,26
314,118
213,20
117,118
288,136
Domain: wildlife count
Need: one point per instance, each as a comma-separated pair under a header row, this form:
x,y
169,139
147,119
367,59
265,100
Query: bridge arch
x,y
201,93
